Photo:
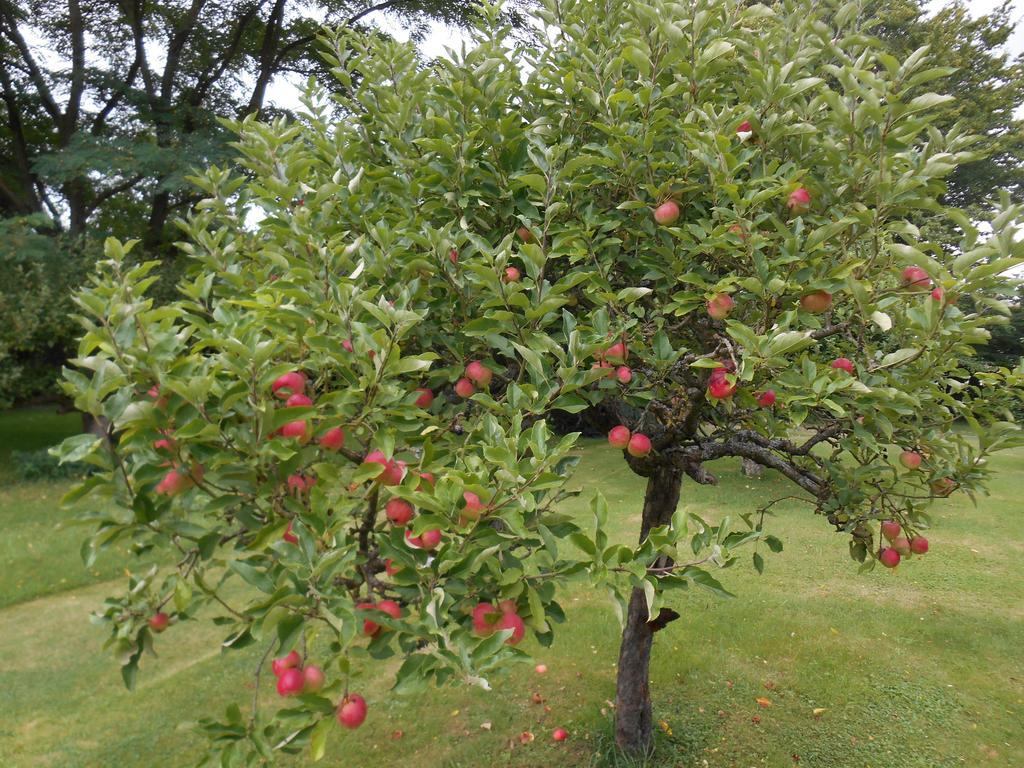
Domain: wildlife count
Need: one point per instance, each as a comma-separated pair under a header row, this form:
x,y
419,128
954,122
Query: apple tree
x,y
690,222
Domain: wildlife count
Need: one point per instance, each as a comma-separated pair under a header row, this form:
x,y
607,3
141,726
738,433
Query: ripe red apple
x,y
392,471
464,388
347,345
175,481
390,568
299,483
919,545
158,622
916,279
902,545
429,539
624,374
667,212
398,511
767,398
525,235
943,486
485,616
939,294
890,558
163,444
891,529
609,369
288,384
619,436
511,275
290,682
292,659
720,305
479,374
639,445
333,439
426,398
313,679
719,386
297,429
541,669
370,627
453,256
426,481
617,353
843,364
744,130
474,507
511,620
799,201
910,459
351,711
297,401
391,608
288,536
560,734
816,302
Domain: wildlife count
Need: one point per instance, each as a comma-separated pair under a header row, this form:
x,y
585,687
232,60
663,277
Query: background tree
x,y
107,106
694,220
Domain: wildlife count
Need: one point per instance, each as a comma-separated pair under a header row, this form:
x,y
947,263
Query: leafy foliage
x,y
367,258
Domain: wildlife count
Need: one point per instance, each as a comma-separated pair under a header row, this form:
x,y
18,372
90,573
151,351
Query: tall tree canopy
x,y
109,104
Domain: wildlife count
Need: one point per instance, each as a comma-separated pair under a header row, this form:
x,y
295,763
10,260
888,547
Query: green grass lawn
x,y
918,668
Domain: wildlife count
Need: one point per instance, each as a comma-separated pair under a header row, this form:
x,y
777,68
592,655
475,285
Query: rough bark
x,y
751,468
633,718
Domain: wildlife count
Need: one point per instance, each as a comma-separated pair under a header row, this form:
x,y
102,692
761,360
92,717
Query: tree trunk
x,y
633,719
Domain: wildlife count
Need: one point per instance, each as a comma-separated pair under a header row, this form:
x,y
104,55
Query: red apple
x,y
939,294
843,364
624,374
289,536
175,481
511,275
351,711
891,529
667,212
943,486
313,679
392,471
429,539
390,568
426,481
525,235
901,545
916,279
739,231
479,373
297,429
639,445
617,353
347,345
333,439
910,459
919,545
512,621
890,558
288,384
391,608
485,616
158,622
541,669
464,388
370,627
290,682
453,256
720,305
816,302
619,436
767,398
163,444
398,511
474,507
560,734
297,401
426,398
719,386
292,659
799,201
